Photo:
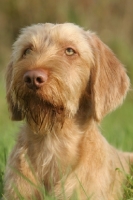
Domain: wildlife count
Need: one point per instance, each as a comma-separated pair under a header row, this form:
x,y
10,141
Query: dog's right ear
x,y
15,111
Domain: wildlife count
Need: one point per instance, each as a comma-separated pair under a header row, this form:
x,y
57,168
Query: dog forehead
x,y
41,33
68,31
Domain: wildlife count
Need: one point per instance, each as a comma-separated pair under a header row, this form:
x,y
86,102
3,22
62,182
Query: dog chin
x,y
42,115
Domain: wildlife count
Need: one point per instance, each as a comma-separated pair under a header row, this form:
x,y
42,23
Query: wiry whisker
x,y
41,122
53,119
32,116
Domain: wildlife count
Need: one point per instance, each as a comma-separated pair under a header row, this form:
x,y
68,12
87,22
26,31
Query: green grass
x,y
116,127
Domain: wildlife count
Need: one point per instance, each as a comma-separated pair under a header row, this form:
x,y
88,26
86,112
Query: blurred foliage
x,y
111,19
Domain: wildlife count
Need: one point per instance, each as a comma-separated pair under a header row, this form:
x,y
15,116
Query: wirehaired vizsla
x,y
62,80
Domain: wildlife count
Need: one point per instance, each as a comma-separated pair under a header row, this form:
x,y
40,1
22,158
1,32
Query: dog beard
x,y
42,115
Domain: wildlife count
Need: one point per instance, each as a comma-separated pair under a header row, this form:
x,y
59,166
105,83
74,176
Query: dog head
x,y
61,70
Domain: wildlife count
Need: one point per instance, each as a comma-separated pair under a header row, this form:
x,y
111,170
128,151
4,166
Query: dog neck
x,y
55,152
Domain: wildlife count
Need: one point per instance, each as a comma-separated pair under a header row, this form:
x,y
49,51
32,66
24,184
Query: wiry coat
x,y
60,146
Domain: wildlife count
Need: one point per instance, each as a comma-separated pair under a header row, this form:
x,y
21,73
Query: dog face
x,y
60,71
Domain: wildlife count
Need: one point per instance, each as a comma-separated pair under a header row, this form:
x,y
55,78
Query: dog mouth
x,y
40,113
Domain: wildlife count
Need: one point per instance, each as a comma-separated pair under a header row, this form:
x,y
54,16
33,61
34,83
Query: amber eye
x,y
69,51
27,51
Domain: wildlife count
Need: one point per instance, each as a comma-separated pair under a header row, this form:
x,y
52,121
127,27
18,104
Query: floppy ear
x,y
108,82
16,113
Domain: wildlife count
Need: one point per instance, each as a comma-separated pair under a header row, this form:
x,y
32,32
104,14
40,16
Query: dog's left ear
x,y
108,80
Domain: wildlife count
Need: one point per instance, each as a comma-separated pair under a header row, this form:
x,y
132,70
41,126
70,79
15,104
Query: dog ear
x,y
108,80
16,113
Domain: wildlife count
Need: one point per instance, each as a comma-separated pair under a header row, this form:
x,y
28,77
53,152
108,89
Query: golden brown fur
x,y
60,145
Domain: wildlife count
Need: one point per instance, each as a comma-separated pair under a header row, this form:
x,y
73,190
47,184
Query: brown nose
x,y
35,79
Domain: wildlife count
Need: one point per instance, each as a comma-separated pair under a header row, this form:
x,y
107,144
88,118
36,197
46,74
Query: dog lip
x,y
33,87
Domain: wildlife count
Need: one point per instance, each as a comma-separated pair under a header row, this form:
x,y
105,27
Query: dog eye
x,y
27,51
69,51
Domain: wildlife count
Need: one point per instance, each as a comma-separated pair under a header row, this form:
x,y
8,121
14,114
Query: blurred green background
x,y
112,20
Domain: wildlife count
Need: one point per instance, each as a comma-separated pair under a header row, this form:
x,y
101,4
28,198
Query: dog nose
x,y
35,79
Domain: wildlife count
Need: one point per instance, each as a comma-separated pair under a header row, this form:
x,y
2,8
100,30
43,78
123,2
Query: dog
x,y
62,81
